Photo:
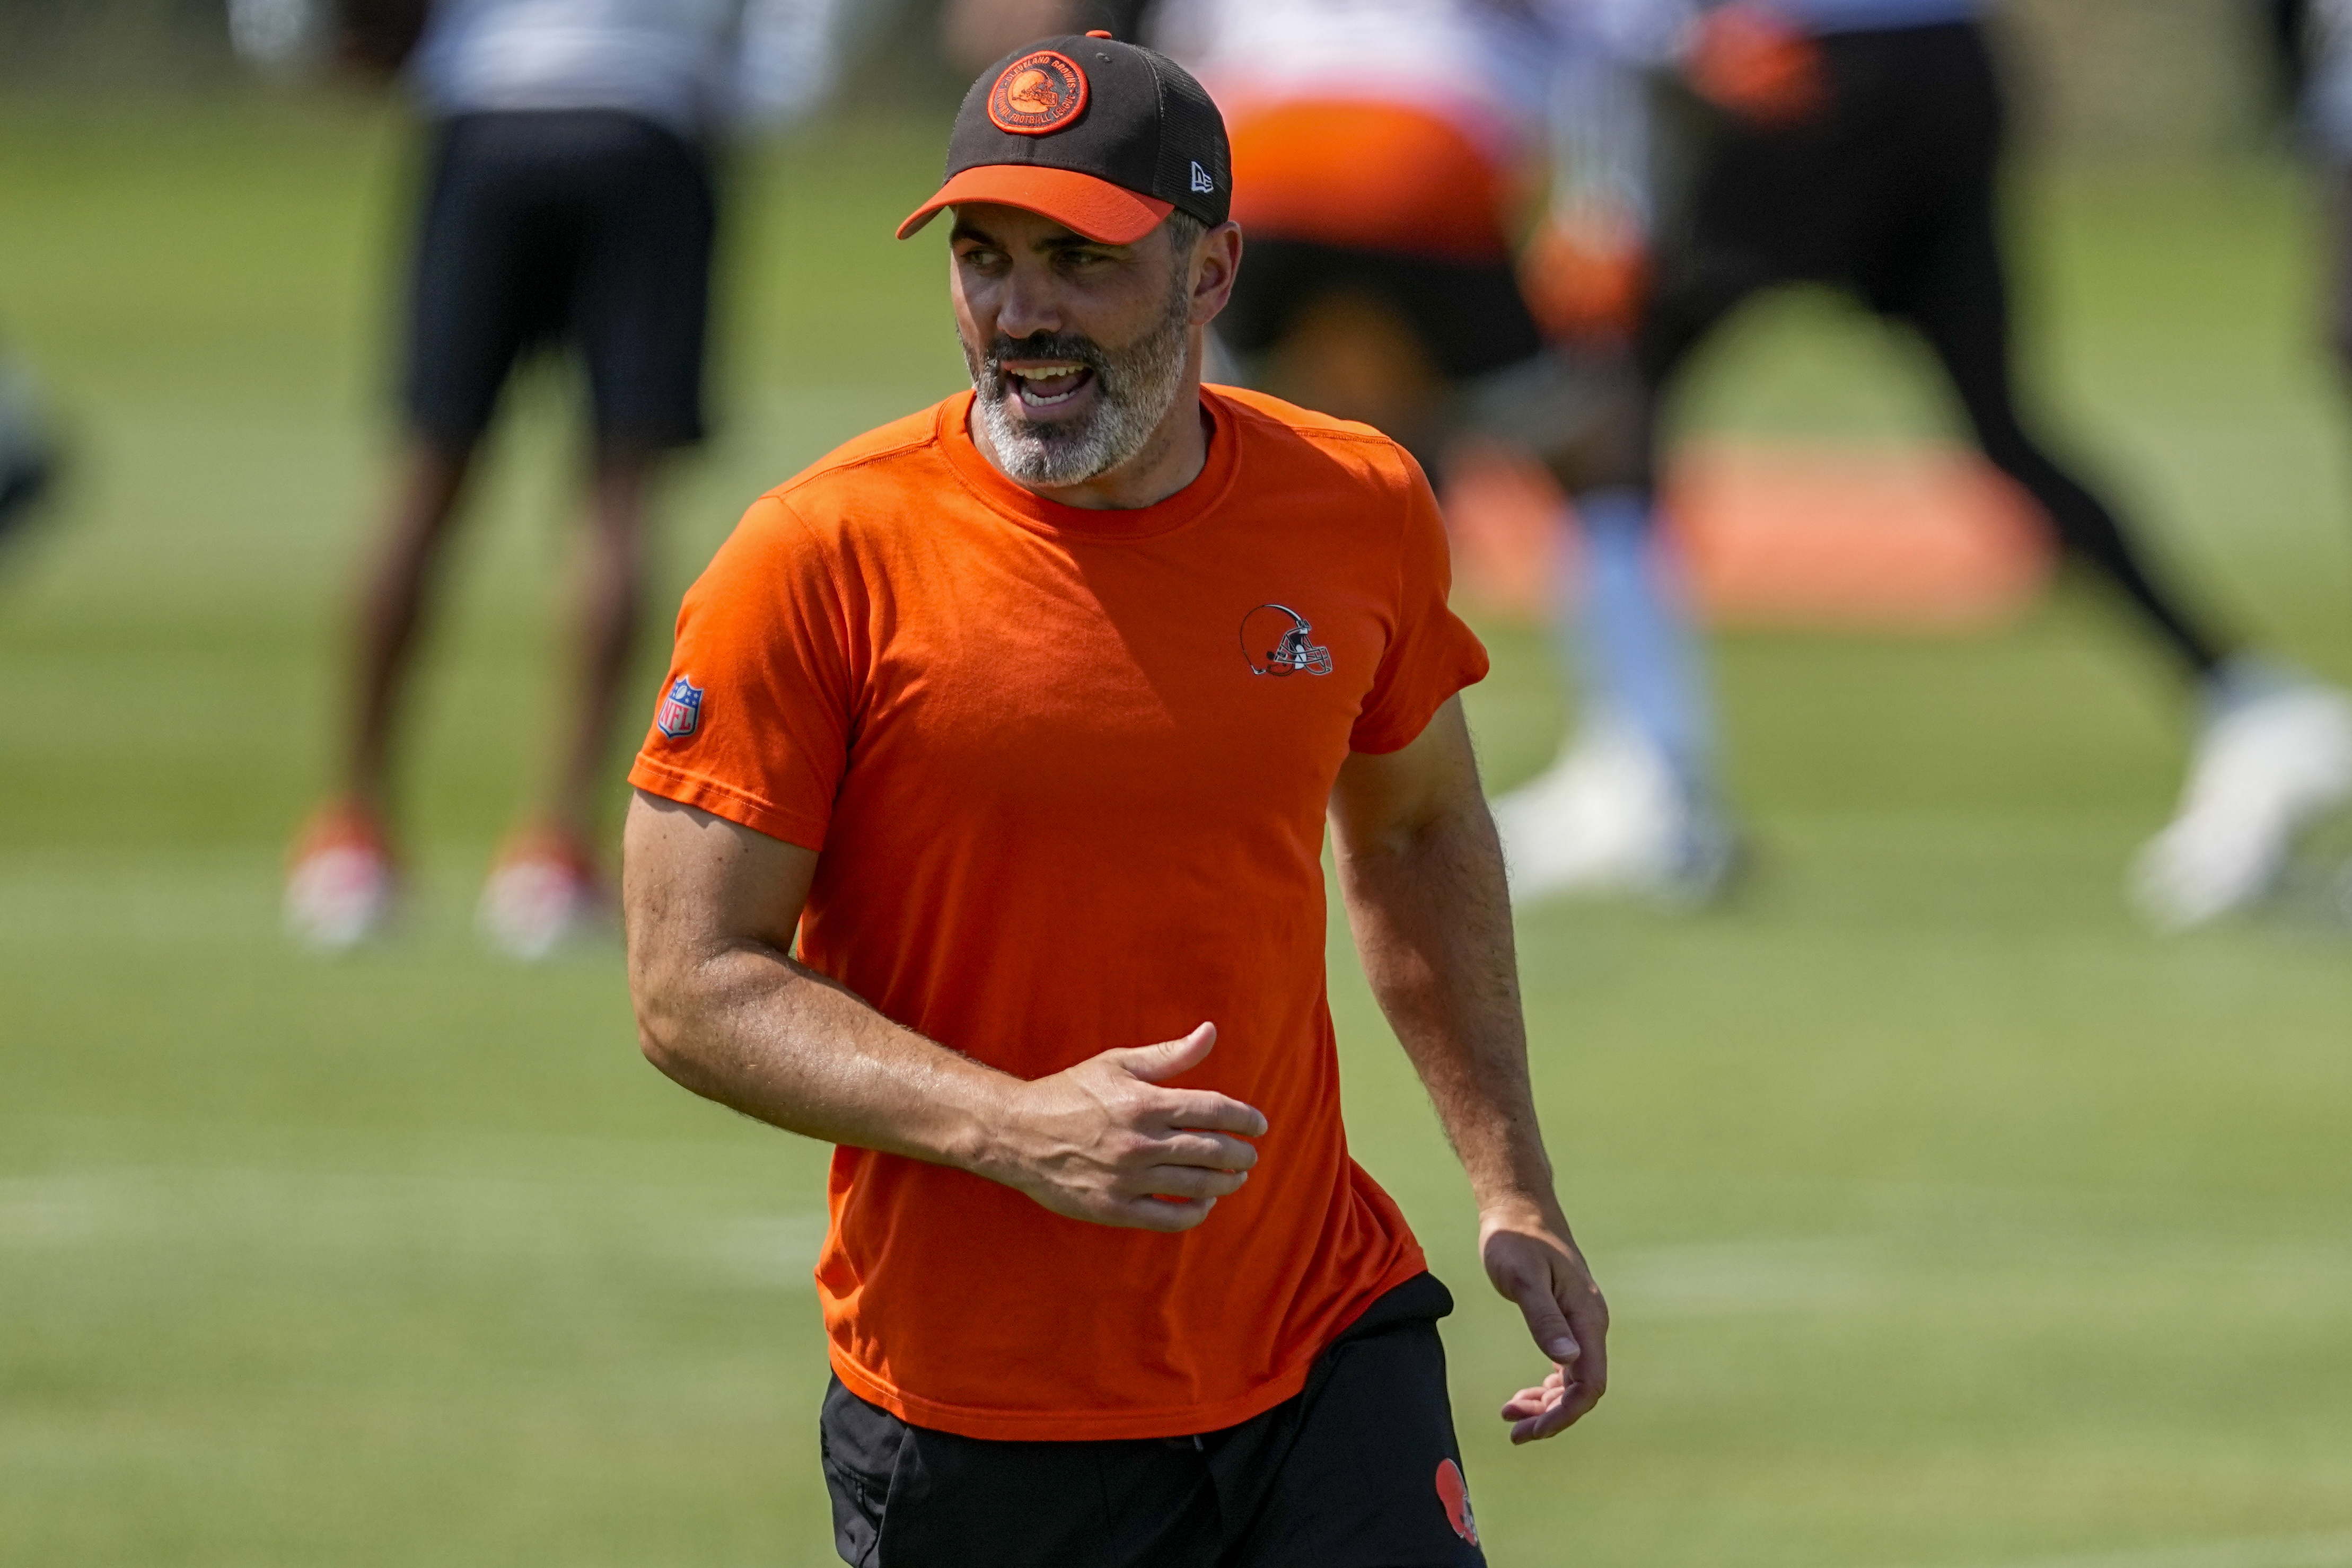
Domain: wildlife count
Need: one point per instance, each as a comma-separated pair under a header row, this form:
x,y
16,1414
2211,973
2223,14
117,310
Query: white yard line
x,y
2332,1551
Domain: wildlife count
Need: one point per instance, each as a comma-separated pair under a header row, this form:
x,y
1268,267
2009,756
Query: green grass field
x,y
1950,1218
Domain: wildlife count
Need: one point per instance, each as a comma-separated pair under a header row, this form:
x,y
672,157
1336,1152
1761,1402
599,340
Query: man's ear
x,y
1216,262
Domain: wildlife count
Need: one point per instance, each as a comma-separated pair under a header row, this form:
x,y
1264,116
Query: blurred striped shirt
x,y
698,66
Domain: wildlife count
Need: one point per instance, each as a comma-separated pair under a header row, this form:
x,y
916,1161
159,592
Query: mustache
x,y
1038,346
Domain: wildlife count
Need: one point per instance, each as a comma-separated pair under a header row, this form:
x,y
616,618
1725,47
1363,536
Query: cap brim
x,y
1096,208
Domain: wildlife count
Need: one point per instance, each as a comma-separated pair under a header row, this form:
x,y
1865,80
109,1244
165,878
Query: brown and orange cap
x,y
1104,137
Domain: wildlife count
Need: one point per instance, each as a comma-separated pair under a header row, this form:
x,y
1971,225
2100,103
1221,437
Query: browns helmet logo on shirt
x,y
1278,641
1039,92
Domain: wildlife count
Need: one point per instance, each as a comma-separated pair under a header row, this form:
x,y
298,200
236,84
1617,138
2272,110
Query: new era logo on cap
x,y
1104,137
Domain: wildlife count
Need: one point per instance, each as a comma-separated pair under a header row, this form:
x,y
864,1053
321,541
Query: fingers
x,y
1158,1063
1202,1109
1591,1321
1532,1402
1183,1181
1553,1416
1545,1323
1546,1411
1210,1149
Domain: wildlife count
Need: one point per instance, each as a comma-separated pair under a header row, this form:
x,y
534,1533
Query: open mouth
x,y
1044,386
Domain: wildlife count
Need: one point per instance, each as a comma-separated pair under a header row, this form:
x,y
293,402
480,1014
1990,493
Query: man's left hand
x,y
1534,1262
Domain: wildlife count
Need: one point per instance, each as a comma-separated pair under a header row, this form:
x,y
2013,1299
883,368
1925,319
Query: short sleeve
x,y
752,721
1431,653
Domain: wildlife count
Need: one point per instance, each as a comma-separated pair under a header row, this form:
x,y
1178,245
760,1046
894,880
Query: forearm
x,y
747,1026
1432,919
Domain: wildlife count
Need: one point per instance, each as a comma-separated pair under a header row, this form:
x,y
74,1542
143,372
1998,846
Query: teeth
x,y
1043,375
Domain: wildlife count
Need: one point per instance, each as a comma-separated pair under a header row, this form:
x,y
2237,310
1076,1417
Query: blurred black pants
x,y
1889,194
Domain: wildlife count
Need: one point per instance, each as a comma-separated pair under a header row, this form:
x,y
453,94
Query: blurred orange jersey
x,y
1067,772
1396,125
1371,175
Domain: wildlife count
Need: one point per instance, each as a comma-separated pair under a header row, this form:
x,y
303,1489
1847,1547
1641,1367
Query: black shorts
x,y
587,228
1878,193
1469,317
1354,1471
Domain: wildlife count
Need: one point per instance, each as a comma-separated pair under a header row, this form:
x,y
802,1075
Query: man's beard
x,y
1134,389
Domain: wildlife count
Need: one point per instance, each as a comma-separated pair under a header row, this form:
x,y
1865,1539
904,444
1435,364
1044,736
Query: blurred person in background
x,y
2312,42
1849,142
1384,153
1857,143
569,203
28,448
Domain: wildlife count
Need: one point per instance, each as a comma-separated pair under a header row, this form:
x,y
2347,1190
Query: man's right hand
x,y
1104,1142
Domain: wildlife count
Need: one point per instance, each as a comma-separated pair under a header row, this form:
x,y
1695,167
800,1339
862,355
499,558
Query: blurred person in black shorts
x,y
568,204
1856,143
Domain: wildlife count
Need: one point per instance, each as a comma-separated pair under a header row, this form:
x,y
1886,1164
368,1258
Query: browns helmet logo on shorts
x,y
1455,1493
1037,93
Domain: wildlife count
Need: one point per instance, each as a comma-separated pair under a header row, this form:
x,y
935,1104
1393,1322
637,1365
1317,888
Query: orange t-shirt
x,y
1058,810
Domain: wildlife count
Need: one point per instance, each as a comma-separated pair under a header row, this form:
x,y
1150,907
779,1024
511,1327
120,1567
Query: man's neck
x,y
1171,459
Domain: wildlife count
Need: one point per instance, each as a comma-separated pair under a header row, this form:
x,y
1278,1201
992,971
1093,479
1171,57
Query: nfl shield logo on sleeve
x,y
681,710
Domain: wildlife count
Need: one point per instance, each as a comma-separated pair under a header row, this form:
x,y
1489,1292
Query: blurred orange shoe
x,y
545,892
340,882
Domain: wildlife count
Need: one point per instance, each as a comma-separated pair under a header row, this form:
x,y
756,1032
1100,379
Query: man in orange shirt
x,y
994,757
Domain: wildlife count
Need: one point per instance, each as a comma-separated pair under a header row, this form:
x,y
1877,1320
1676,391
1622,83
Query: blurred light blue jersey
x,y
1819,16
697,67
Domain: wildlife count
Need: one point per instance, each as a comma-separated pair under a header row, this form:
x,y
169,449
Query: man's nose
x,y
1028,305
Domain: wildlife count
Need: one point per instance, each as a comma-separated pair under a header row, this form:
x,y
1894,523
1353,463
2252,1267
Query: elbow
x,y
658,1043
664,1033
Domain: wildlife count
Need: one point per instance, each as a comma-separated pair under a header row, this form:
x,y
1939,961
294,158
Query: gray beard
x,y
1135,388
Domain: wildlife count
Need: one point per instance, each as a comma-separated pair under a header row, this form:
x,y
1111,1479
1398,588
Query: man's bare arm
x,y
723,1008
1423,876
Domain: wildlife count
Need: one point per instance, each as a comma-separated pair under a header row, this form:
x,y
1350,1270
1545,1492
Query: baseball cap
x,y
1103,137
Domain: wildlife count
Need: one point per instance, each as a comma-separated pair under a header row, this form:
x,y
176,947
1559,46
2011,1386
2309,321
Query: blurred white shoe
x,y
2274,753
544,894
340,886
1611,817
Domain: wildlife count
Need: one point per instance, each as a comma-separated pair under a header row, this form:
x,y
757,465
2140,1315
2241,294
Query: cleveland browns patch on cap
x,y
1039,92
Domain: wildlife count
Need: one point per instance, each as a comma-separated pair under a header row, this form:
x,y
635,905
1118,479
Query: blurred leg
x,y
1626,627
2339,304
392,603
609,600
1962,312
1632,640
1630,805
341,884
